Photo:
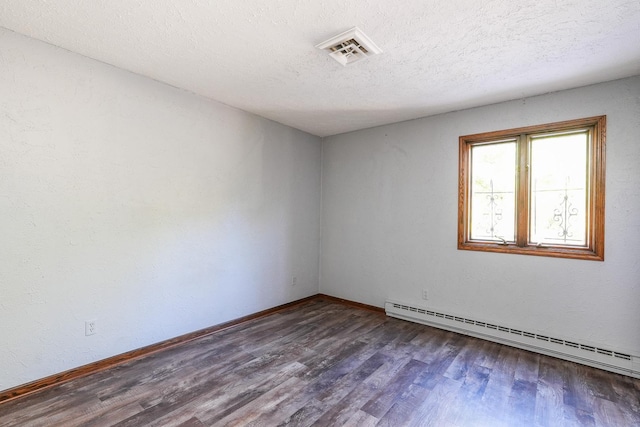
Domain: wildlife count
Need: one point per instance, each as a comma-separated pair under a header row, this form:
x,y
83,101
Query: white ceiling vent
x,y
350,46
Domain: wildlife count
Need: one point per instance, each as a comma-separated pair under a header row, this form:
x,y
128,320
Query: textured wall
x,y
152,210
390,223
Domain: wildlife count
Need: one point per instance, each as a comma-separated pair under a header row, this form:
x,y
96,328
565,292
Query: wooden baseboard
x,y
101,365
351,303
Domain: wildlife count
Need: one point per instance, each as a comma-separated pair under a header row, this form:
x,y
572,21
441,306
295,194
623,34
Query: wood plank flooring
x,y
328,364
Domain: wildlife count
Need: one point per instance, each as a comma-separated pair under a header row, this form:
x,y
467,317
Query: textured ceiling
x,y
259,56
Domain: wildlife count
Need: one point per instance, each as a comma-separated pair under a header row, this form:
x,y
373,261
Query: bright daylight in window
x,y
536,190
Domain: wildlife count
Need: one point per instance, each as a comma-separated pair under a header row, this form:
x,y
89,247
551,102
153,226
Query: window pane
x,y
559,172
493,183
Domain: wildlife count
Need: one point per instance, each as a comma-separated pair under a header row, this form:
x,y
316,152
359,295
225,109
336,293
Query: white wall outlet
x,y
425,294
294,281
90,327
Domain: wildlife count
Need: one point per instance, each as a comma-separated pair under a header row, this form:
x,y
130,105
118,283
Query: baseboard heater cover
x,y
586,354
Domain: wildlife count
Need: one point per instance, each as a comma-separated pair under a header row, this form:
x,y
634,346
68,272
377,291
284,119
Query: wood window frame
x,y
594,249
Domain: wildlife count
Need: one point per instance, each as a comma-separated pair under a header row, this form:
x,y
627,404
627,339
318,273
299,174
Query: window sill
x,y
548,251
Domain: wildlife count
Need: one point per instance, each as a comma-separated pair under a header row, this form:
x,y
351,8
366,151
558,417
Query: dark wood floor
x,y
327,364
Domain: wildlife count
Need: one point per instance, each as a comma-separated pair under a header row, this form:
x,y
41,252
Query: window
x,y
537,190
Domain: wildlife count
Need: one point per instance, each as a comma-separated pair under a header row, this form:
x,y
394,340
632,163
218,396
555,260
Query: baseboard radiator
x,y
587,354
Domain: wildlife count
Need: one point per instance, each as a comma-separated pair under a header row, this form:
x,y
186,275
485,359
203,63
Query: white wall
x,y
158,213
390,224
152,210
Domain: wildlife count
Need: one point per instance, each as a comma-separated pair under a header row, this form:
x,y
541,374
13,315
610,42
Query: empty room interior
x,y
320,213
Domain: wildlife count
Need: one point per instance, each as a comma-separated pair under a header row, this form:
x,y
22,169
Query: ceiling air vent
x,y
350,46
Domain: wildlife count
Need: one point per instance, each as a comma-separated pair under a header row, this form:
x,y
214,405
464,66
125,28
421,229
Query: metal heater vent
x,y
350,46
586,353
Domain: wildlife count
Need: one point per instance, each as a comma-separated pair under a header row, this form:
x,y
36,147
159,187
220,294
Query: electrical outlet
x,y
294,281
90,327
425,294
